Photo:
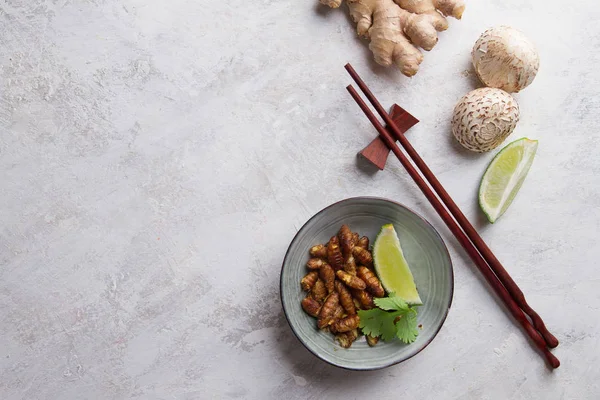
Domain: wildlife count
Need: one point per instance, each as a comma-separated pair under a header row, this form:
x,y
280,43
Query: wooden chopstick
x,y
458,233
464,223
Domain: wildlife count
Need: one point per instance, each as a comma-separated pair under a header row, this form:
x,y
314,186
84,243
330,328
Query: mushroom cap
x,y
505,58
483,118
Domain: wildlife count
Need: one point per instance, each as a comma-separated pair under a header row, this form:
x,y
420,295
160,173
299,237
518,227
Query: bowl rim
x,y
425,344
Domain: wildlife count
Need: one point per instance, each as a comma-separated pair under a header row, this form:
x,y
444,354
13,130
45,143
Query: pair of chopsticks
x,y
493,271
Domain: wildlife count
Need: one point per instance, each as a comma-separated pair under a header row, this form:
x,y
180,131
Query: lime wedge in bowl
x,y
391,266
504,177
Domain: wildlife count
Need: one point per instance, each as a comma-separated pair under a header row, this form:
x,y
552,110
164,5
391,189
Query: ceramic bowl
x,y
427,257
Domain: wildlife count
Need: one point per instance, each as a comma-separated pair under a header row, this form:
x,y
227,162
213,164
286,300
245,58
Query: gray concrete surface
x,y
156,158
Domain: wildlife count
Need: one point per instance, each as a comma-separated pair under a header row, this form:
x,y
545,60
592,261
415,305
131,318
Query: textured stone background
x,y
156,158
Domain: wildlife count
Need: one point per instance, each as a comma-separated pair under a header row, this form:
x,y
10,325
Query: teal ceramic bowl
x,y
425,252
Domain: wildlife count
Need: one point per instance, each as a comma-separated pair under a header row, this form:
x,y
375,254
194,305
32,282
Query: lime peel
x,y
504,177
391,266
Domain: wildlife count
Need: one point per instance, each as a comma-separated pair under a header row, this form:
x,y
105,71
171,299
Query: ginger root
x,y
397,27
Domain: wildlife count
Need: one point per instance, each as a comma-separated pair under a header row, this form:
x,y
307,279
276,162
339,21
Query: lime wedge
x,y
391,266
504,177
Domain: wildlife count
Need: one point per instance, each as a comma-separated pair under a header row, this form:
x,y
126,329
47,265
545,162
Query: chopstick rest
x,y
377,152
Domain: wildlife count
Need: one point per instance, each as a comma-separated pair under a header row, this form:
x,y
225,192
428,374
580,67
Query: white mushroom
x,y
505,58
483,118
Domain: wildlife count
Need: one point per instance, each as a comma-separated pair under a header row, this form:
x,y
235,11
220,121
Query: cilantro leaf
x,y
388,328
392,319
392,303
371,321
406,327
377,322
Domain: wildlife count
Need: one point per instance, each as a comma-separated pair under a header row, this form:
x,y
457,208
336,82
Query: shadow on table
x,y
365,166
303,365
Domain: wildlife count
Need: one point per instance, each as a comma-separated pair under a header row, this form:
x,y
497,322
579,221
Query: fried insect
x,y
372,340
326,314
309,280
345,298
311,306
363,242
339,312
364,298
346,238
319,291
345,324
327,274
340,282
315,263
334,253
319,251
373,283
363,256
347,338
351,280
350,265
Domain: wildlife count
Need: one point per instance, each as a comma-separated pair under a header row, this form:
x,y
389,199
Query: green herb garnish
x,y
392,319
